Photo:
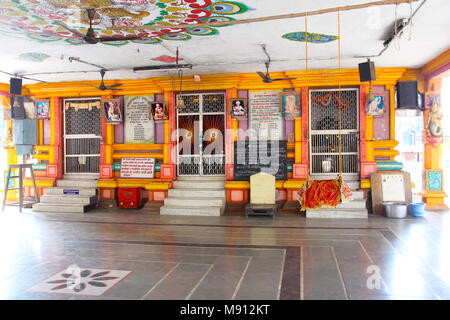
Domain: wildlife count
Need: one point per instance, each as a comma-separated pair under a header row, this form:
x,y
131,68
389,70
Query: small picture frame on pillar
x,y
111,108
238,108
290,104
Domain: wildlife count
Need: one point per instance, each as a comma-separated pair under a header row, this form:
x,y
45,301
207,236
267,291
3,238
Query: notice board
x,y
137,168
252,157
139,125
265,119
389,186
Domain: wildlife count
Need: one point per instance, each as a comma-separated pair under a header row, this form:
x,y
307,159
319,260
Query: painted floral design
x,y
35,19
81,281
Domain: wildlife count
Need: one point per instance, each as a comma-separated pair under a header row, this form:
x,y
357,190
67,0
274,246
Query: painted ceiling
x,y
35,46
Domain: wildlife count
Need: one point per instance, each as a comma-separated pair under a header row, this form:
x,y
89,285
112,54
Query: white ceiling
x,y
237,48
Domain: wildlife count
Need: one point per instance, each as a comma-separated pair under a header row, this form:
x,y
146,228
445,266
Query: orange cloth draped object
x,y
323,193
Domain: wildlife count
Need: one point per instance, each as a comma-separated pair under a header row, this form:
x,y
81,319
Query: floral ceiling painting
x,y
35,19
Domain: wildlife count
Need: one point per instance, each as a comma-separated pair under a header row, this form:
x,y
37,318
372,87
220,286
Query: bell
x,y
180,103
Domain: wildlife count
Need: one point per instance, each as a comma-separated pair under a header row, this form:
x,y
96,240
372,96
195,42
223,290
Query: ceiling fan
x,y
266,77
90,37
102,86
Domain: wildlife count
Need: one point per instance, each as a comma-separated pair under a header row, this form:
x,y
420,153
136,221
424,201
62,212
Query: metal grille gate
x,y
201,135
82,136
324,132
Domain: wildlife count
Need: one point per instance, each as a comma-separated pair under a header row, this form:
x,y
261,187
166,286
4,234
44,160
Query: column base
x,y
435,201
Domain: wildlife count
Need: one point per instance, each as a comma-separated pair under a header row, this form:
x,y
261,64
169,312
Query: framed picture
x,y
376,106
43,109
111,107
238,107
17,107
290,104
159,111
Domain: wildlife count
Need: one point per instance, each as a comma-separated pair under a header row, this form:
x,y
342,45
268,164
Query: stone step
x,y
194,202
79,176
354,185
358,194
63,208
73,183
201,193
70,199
90,192
355,204
186,184
337,213
191,211
201,178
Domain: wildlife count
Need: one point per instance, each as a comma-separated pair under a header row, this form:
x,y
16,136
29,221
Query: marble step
x,y
188,184
358,195
337,213
194,202
191,211
70,199
201,178
90,192
73,183
354,185
84,176
355,204
63,208
200,193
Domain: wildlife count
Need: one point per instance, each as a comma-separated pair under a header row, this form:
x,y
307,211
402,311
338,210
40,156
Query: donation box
x,y
130,198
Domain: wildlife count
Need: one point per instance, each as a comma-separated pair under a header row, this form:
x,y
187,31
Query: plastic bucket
x,y
417,209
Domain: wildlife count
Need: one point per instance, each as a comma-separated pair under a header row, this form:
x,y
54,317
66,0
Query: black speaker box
x,y
407,95
367,71
15,86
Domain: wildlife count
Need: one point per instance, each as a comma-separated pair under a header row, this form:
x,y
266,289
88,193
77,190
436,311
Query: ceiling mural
x,y
311,37
167,59
33,56
35,19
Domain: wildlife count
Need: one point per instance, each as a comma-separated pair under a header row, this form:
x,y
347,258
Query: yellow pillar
x,y
434,194
41,131
234,126
391,89
52,122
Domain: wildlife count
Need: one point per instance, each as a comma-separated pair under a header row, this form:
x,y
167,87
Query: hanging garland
x,y
330,97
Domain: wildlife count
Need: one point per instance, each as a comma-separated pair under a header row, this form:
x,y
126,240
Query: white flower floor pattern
x,y
81,281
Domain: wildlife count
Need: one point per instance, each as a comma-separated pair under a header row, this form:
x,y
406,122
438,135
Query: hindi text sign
x,y
137,168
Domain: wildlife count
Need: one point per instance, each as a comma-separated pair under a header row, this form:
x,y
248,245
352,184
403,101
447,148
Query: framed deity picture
x,y
111,107
159,111
376,106
43,109
238,107
290,104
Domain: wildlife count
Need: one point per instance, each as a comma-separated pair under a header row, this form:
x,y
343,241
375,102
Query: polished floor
x,y
119,254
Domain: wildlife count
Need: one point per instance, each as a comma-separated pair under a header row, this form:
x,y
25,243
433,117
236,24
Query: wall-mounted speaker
x,y
367,71
407,95
15,86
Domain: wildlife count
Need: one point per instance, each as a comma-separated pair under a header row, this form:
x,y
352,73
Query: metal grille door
x,y
324,133
82,136
201,135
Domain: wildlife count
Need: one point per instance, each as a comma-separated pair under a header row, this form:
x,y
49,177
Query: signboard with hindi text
x,y
137,168
265,119
139,126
